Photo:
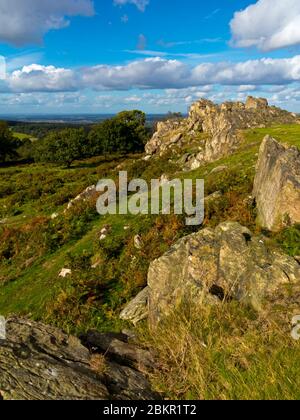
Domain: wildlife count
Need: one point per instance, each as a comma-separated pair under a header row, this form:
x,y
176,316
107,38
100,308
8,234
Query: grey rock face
x,y
221,124
39,362
137,309
213,265
277,185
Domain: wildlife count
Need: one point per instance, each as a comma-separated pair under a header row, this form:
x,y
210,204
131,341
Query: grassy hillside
x,y
34,248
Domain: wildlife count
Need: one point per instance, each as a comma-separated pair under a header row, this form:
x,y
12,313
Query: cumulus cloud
x,y
160,73
27,21
267,25
154,73
151,73
37,78
140,4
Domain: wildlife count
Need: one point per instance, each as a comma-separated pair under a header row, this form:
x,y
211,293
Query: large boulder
x,y
215,265
256,103
39,362
277,185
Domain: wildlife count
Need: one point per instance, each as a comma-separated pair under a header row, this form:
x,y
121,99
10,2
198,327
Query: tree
x,y
62,147
124,133
8,144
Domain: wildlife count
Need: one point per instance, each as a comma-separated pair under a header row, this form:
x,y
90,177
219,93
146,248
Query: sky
x,y
104,56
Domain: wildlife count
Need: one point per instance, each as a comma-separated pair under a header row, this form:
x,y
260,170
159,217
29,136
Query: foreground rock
x,y
221,264
41,362
220,125
277,185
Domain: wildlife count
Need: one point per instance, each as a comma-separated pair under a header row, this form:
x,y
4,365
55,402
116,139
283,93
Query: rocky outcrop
x,y
39,362
277,185
220,123
256,103
222,264
87,194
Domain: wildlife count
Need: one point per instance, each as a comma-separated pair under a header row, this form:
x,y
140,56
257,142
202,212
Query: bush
x,y
125,133
8,144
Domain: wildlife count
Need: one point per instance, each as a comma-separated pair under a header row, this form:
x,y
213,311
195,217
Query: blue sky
x,y
102,56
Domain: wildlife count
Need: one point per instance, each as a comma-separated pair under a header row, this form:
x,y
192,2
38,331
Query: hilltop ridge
x,y
214,129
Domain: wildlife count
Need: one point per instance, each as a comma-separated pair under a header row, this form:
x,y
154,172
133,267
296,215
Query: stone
x,y
277,185
118,349
40,362
212,197
65,272
147,158
256,103
138,242
164,179
176,138
137,309
219,169
220,264
86,195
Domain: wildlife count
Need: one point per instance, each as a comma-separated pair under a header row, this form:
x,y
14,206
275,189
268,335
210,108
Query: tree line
x,y
124,133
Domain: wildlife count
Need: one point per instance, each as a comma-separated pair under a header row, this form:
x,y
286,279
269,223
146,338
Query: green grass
x,y
224,352
23,136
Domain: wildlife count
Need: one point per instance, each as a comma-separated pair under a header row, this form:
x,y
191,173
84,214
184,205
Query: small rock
x,y
184,159
147,158
212,197
164,179
176,138
138,243
137,309
65,272
219,169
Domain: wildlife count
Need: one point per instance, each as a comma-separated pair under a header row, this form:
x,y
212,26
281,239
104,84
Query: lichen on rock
x,y
277,185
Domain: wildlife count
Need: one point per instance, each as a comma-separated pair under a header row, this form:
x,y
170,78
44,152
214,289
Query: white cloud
x,y
37,78
27,21
267,25
151,73
140,4
160,73
154,73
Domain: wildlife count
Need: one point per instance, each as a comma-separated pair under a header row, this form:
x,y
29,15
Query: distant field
x,y
22,136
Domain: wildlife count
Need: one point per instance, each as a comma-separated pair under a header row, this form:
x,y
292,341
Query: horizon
x,y
100,57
